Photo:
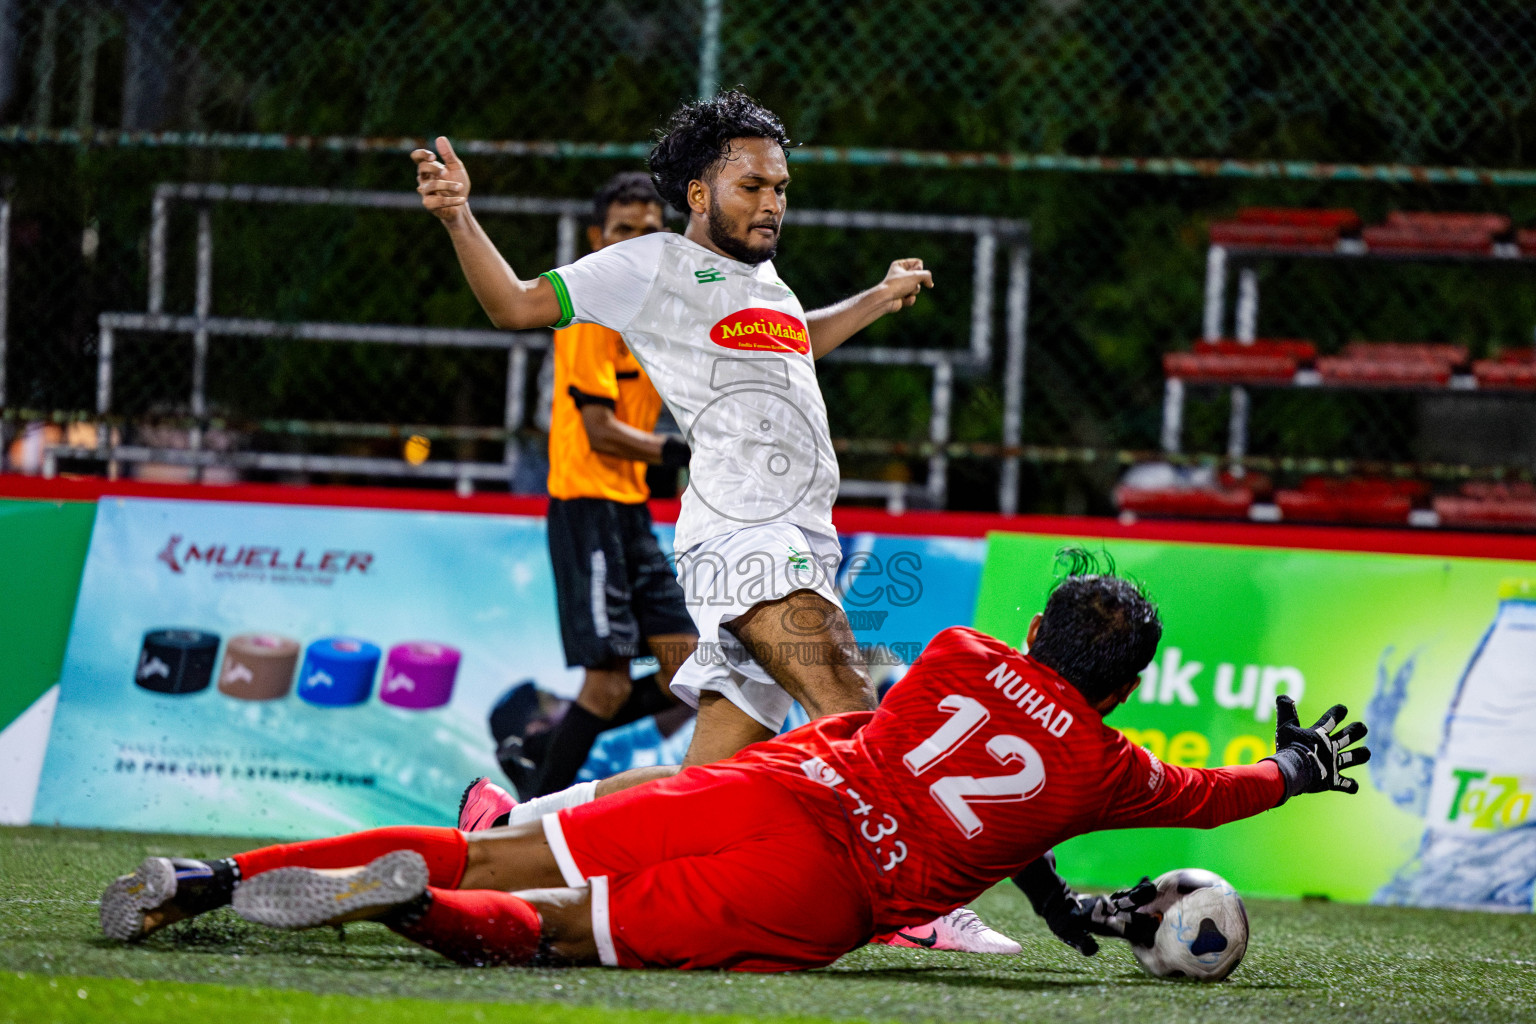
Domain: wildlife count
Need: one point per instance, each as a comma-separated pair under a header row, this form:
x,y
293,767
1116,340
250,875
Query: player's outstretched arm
x,y
512,303
1313,760
835,324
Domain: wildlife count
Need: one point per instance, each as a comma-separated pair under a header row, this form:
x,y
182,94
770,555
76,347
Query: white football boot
x,y
959,930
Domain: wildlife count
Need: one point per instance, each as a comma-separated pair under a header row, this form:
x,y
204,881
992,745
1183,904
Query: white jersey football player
x,y
732,352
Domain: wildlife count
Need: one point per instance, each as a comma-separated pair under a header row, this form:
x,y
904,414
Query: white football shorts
x,y
724,577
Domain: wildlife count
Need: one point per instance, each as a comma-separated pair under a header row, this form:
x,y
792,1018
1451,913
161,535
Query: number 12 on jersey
x,y
956,793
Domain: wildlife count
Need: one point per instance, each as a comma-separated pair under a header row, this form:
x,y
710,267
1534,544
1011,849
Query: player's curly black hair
x,y
699,134
1099,629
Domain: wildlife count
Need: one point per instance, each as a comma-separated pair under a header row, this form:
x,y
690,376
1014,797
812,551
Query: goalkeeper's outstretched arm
x,y
1150,794
512,303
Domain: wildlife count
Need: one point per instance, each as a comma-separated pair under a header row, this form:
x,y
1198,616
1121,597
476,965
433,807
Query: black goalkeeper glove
x,y
1076,919
1118,915
1313,760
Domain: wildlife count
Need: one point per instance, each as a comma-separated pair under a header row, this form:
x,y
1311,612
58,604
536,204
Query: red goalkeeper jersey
x,y
979,761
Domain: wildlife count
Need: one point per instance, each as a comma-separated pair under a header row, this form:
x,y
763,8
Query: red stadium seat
x,y
1382,372
1374,500
1404,351
1265,360
1449,223
1514,369
1270,227
1497,513
1292,348
1229,369
1338,219
1304,238
1437,232
1193,502
1383,508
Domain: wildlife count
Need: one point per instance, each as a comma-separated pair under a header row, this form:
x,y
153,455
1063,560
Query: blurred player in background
x,y
618,596
799,849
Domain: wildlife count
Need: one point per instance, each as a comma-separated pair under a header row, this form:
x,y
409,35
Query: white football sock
x,y
535,809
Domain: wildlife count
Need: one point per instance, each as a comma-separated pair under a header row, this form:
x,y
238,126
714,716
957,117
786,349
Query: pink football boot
x,y
484,805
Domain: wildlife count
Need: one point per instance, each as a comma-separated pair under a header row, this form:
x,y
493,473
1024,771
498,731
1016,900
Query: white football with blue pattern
x,y
1203,933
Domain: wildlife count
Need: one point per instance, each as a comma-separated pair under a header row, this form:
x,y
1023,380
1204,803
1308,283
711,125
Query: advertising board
x,y
1436,654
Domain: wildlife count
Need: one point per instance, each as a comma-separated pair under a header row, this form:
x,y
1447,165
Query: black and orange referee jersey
x,y
593,366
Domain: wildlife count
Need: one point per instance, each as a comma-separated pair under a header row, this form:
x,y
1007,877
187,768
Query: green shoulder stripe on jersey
x,y
567,311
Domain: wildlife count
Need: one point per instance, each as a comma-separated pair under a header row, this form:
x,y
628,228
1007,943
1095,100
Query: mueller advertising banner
x,y
279,670
290,671
1437,655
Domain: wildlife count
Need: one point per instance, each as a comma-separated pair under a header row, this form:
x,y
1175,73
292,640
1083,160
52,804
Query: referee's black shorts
x,y
614,586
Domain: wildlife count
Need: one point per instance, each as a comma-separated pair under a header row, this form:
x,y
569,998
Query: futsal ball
x,y
1203,931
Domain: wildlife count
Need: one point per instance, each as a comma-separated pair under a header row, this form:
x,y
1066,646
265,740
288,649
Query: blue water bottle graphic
x,y
338,671
1476,793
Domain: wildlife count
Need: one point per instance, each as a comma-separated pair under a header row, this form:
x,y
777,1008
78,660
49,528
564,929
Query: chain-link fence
x,y
1123,111
1416,81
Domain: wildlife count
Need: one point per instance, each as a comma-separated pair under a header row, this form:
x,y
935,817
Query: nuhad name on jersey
x,y
1030,700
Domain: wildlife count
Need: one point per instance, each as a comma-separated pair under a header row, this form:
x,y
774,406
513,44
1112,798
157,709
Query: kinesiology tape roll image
x,y
338,671
419,675
176,660
258,666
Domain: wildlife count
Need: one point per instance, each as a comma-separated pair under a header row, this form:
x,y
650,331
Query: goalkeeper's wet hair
x,y
1099,629
698,136
620,190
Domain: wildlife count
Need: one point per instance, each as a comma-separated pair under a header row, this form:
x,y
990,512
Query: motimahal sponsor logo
x,y
759,329
180,555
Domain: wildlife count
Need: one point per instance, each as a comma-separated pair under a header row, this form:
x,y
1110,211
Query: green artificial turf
x,y
34,999
1307,962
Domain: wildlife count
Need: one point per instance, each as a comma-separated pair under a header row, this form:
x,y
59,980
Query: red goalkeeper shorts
x,y
715,868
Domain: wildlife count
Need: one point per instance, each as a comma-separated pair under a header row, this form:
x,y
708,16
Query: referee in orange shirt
x,y
619,598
